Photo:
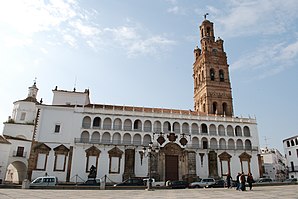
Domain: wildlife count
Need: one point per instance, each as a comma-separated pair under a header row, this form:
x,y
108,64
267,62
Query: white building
x,y
291,151
72,134
273,162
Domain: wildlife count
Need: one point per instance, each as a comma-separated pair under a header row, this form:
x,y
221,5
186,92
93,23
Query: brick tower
x,y
212,88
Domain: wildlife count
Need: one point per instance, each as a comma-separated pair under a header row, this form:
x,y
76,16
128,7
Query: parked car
x,y
290,180
154,183
219,184
205,182
89,182
44,181
178,184
264,180
132,182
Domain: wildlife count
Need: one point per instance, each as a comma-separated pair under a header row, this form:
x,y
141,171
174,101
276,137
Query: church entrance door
x,y
171,170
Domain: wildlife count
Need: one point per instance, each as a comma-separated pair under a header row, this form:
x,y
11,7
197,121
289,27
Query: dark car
x,y
291,180
219,184
131,182
179,184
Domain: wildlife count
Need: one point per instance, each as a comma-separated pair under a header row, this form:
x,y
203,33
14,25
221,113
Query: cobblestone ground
x,y
272,192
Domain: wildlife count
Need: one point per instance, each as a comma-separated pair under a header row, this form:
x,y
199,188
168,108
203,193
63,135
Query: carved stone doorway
x,y
171,167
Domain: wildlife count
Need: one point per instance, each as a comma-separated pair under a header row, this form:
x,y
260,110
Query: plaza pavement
x,y
272,192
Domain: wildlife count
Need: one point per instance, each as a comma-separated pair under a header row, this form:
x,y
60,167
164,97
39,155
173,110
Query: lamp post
x,y
150,150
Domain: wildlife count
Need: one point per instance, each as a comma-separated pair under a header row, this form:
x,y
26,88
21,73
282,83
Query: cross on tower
x,y
205,15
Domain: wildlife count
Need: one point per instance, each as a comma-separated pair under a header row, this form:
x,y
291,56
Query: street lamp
x,y
150,150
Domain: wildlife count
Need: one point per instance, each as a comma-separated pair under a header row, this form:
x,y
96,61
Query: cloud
x,y
245,18
269,60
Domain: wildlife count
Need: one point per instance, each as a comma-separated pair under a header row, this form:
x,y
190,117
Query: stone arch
x,y
106,138
116,138
96,122
231,144
185,128
239,144
127,125
238,131
167,127
157,126
212,129
194,129
204,143
214,107
222,143
146,140
221,130
213,143
86,123
230,130
107,123
246,131
95,137
16,172
137,140
204,128
137,125
221,75
85,137
127,139
147,126
195,142
176,127
247,144
117,124
212,74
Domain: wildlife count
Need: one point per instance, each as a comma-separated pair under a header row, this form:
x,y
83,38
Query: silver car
x,y
205,182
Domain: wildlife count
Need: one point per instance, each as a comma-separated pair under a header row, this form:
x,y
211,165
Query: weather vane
x,y
205,15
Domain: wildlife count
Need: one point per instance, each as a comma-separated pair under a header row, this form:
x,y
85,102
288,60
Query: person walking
x,y
242,182
238,181
229,178
250,180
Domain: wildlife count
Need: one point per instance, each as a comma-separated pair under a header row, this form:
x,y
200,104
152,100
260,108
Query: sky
x,y
140,53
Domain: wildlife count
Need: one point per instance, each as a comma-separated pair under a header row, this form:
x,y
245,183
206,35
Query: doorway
x,y
171,167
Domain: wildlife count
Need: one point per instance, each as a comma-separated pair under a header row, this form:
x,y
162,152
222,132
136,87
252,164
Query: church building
x,y
70,135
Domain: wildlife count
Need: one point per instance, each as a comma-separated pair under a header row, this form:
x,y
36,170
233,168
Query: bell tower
x,y
212,88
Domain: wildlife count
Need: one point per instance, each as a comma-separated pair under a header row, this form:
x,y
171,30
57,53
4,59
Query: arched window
x,y
147,126
231,144
146,140
85,137
202,33
157,127
224,108
166,127
204,143
185,128
127,125
214,108
86,124
96,122
126,139
107,124
246,131
213,143
221,130
117,124
194,129
195,142
204,128
212,129
230,130
204,108
95,137
208,31
176,127
116,138
221,76
238,131
239,144
106,138
247,144
288,143
212,74
222,143
137,140
137,125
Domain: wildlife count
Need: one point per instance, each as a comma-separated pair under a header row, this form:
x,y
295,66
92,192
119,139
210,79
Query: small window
x,y
23,116
212,74
205,145
288,143
292,143
297,152
57,128
290,153
296,141
221,76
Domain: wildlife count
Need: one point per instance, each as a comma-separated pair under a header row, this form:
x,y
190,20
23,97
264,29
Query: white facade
x,y
274,166
4,153
291,151
106,127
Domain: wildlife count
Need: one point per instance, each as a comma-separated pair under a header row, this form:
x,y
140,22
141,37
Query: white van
x,y
44,181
